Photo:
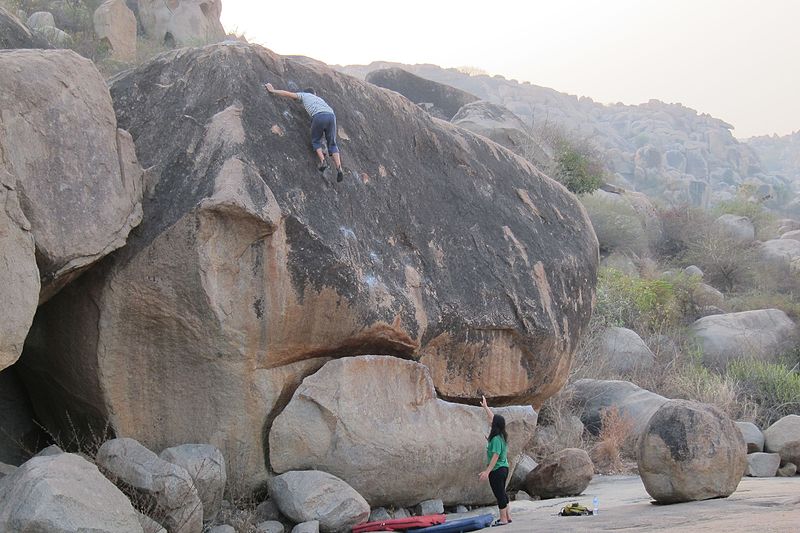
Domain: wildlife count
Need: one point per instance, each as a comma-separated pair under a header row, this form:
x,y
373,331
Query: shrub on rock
x,y
690,451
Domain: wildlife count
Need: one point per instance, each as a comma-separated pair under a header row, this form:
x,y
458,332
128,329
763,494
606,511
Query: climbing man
x,y
323,121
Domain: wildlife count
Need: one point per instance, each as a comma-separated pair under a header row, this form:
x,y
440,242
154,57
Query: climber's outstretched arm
x,y
285,94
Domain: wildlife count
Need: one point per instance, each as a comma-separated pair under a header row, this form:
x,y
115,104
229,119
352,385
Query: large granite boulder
x,y
622,350
14,34
783,254
63,493
592,396
19,276
500,125
362,415
522,467
566,473
315,495
783,437
164,487
251,269
690,451
763,333
735,227
75,173
182,22
18,430
446,100
115,24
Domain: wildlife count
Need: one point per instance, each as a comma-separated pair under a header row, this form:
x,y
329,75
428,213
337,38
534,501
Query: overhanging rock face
x,y
250,269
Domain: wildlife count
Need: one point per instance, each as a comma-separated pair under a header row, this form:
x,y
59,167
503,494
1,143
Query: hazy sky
x,y
738,60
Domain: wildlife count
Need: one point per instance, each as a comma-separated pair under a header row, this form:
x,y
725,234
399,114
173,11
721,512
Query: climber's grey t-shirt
x,y
314,104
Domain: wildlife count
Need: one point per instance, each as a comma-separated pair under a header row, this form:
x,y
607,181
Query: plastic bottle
x,y
596,506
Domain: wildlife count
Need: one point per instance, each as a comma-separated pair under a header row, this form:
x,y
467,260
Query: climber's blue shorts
x,y
324,123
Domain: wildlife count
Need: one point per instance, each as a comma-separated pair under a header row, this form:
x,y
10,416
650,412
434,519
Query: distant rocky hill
x,y
669,151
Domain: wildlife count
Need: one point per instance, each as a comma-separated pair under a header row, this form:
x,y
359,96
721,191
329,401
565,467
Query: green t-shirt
x,y
497,446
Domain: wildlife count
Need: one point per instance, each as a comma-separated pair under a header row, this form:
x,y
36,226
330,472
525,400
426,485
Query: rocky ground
x,y
763,505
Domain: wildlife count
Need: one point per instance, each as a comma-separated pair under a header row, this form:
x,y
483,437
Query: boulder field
x,y
250,269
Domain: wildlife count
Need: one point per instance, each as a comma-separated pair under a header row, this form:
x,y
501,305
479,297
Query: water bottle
x,y
596,506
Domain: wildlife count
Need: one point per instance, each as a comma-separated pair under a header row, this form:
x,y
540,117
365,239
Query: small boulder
x,y
524,466
794,235
752,436
41,19
429,507
149,525
693,270
63,493
566,473
169,486
461,509
787,470
401,513
623,350
762,464
267,511
780,253
783,437
224,528
521,495
270,526
312,495
704,295
690,451
206,466
379,514
312,526
115,24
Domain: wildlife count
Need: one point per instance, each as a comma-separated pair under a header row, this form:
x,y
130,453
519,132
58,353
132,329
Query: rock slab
x,y
762,464
361,415
115,23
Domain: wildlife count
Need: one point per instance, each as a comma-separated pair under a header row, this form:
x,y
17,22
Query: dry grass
x,y
615,438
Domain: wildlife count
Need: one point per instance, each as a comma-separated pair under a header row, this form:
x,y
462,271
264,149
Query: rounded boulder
x,y
566,473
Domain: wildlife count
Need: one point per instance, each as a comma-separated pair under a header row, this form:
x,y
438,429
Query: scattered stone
x,y
781,253
783,437
566,473
762,464
461,509
379,514
317,496
690,451
787,470
63,493
14,34
50,451
705,296
521,495
312,526
401,513
169,485
693,270
269,526
58,38
429,507
335,411
753,437
206,466
621,262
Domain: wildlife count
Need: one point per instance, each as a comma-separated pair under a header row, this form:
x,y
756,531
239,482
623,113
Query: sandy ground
x,y
759,504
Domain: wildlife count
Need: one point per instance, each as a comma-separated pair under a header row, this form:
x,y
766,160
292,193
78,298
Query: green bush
x,y
577,171
774,387
763,221
644,305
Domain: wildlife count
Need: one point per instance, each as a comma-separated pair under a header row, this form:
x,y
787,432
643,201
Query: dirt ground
x,y
759,504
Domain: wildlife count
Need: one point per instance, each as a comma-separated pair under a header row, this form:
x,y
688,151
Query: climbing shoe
x,y
339,175
323,167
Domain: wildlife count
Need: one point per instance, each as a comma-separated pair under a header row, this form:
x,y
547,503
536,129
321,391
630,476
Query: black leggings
x,y
497,480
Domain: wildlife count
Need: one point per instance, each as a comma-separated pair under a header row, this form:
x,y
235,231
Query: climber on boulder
x,y
323,121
